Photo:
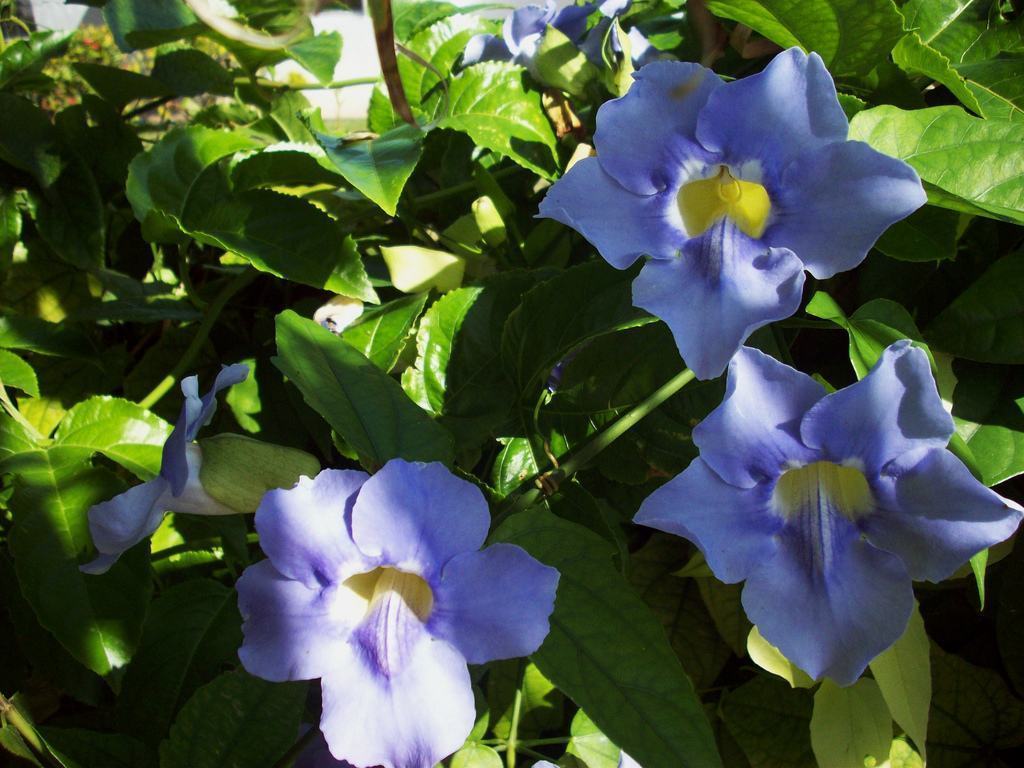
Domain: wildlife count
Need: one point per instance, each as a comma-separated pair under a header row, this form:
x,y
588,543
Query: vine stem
x,y
513,729
525,498
202,333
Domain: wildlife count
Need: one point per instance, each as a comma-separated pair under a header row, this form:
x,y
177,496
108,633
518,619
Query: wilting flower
x,y
132,516
525,27
732,190
377,586
829,504
338,313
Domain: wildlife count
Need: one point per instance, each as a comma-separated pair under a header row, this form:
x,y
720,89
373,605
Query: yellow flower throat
x,y
702,203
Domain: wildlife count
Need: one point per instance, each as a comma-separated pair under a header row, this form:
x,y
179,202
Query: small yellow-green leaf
x,y
904,676
851,727
414,268
770,658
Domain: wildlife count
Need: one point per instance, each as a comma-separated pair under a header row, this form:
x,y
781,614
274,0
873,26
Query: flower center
x,y
822,487
386,583
702,203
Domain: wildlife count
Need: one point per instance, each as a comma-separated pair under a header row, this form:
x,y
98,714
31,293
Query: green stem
x,y
202,333
544,742
513,729
458,189
296,749
196,546
28,733
525,498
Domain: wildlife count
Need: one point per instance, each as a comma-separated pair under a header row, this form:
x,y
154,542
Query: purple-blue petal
x,y
834,202
304,529
646,139
571,20
775,116
416,517
292,632
755,432
485,48
412,720
893,410
494,604
621,225
732,526
829,600
934,515
124,521
195,413
723,287
528,21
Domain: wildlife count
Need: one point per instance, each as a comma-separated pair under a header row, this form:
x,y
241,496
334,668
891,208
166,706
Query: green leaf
x,y
145,23
381,332
276,233
850,727
160,179
66,205
541,705
973,714
852,36
318,54
237,721
458,368
21,61
985,323
580,303
593,748
986,154
770,721
1010,619
97,618
378,168
188,72
608,653
413,268
287,164
723,603
561,64
988,410
998,86
913,56
771,659
513,465
904,676
476,756
360,402
119,429
87,748
489,103
191,630
56,339
963,30
678,605
928,234
15,372
119,86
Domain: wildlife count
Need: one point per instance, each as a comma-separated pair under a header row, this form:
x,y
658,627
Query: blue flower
x,y
132,516
525,27
376,586
732,190
828,505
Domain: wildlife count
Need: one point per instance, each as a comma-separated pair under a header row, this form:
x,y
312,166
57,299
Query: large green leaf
x,y
365,406
850,727
119,86
379,168
973,714
21,61
145,23
985,323
97,618
915,57
85,748
458,373
381,332
276,233
237,721
928,234
998,86
318,54
963,30
580,303
988,410
609,653
119,429
15,372
770,721
975,165
489,103
904,676
160,179
191,630
852,36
